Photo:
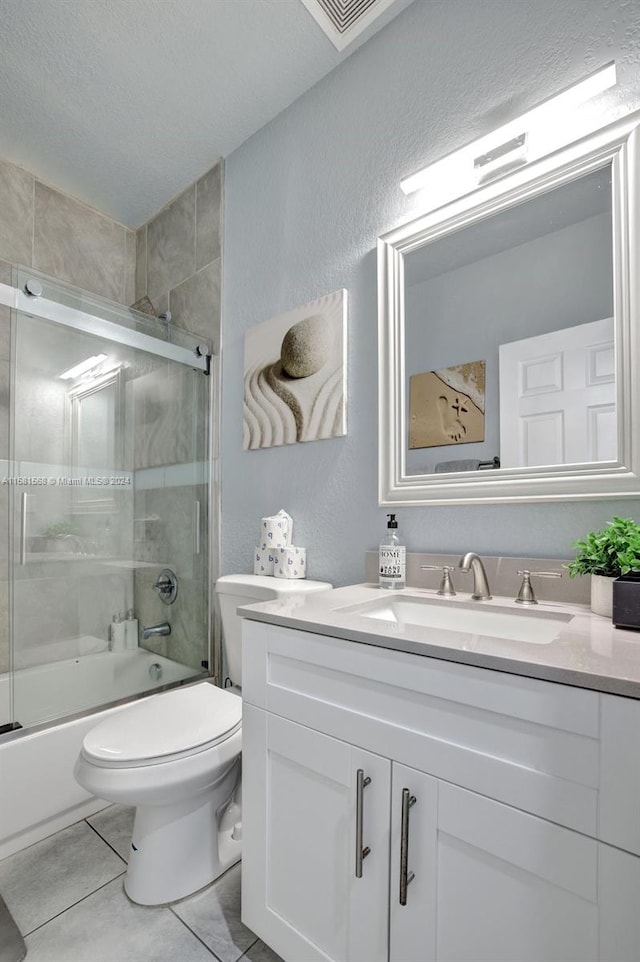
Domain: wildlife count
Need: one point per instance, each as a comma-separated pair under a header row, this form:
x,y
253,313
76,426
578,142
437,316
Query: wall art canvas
x,y
447,406
295,375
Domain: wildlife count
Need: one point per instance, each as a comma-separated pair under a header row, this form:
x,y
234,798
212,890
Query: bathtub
x,y
39,793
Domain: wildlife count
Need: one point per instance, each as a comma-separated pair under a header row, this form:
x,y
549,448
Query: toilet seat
x,y
165,727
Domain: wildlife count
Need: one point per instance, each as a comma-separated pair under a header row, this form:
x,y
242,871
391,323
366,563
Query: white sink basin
x,y
474,618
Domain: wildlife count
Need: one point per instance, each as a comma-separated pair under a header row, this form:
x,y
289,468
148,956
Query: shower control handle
x,y
166,586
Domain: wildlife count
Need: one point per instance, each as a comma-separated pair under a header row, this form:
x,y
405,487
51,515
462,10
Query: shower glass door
x,y
108,487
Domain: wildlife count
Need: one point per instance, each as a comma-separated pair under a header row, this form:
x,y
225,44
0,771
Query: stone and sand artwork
x,y
295,375
447,406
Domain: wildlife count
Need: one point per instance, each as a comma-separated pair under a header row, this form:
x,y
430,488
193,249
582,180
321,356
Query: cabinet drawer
x,y
531,744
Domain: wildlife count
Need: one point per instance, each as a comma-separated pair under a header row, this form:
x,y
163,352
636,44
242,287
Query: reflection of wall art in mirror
x,y
447,406
544,261
294,375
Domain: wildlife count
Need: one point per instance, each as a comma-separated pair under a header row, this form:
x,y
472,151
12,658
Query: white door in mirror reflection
x,y
557,397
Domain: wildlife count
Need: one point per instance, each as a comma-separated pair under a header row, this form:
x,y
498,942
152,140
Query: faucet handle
x,y
446,585
526,595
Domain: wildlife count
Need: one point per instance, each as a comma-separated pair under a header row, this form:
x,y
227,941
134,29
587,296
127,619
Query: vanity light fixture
x,y
535,134
83,367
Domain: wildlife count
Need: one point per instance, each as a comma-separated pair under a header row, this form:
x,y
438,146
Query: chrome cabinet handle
x,y
361,853
405,875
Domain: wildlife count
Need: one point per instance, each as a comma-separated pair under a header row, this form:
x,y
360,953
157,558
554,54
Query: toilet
x,y
175,756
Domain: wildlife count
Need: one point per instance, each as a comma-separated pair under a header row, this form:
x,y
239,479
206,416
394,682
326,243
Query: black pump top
x,y
392,523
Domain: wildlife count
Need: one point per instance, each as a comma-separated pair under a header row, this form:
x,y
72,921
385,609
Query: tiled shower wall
x,y
178,258
175,260
178,263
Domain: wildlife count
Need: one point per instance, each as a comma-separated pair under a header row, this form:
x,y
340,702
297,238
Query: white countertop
x,y
588,651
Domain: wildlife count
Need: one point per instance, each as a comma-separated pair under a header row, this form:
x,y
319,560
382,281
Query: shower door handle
x,y
196,527
23,528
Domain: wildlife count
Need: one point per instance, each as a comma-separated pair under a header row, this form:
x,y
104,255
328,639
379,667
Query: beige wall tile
x,y
195,304
5,314
161,305
150,610
188,640
164,418
78,245
141,262
130,245
171,244
5,373
208,216
53,618
4,642
16,214
4,533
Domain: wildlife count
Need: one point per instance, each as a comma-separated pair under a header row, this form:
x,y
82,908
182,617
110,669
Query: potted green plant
x,y
56,532
606,555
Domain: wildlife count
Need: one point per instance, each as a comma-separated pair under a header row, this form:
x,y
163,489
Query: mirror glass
x,y
506,332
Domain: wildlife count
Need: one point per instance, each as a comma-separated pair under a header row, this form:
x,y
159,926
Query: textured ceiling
x,y
122,103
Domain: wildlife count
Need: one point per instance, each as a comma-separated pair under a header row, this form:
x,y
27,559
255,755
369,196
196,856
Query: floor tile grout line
x,y
244,954
106,842
195,934
73,904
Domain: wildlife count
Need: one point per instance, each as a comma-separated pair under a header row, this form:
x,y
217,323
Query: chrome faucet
x,y
471,562
154,631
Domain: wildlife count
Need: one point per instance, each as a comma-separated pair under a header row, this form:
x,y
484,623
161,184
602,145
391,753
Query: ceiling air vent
x,y
344,20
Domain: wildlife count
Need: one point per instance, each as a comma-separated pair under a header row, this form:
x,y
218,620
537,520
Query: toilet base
x,y
177,849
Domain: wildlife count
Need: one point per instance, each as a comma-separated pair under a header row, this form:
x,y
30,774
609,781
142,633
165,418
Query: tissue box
x,y
626,601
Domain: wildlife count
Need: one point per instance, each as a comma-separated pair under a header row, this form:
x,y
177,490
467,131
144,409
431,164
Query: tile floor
x,y
65,894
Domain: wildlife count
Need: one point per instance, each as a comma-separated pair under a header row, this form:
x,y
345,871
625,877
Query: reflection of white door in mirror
x,y
557,397
552,247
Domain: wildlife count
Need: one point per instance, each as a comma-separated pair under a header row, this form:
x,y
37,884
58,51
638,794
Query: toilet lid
x,y
175,723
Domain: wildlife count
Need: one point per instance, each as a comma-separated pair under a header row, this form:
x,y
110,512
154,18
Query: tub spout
x,y
154,631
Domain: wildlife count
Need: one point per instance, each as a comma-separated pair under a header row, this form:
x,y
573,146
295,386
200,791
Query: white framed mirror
x,y
508,336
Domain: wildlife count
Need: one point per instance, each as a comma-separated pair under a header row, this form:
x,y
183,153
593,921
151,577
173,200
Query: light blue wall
x,y
306,199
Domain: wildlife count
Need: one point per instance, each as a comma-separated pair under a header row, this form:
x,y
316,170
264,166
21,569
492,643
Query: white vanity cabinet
x,y
523,842
299,815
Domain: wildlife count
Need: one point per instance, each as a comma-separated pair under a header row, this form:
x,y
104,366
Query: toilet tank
x,y
236,590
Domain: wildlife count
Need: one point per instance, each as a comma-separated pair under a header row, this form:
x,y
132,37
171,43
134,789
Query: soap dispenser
x,y
392,557
131,630
117,633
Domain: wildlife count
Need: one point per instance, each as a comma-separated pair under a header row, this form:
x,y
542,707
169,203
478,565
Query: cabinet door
x,y
493,884
414,824
512,887
300,890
